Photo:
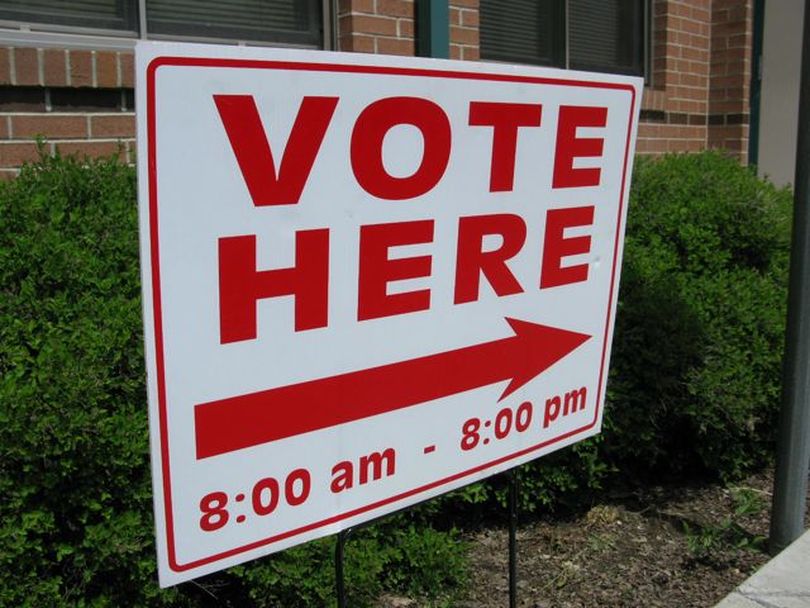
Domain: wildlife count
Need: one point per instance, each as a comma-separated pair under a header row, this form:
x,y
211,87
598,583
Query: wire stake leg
x,y
513,521
340,583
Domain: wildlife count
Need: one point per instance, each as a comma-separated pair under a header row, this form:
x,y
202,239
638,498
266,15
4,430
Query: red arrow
x,y
239,422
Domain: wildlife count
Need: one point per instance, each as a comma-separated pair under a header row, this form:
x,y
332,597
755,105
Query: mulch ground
x,y
667,546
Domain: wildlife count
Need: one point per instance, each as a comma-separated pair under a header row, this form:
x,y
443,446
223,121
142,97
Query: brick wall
x,y
73,101
697,93
729,88
675,105
700,83
464,39
377,26
389,27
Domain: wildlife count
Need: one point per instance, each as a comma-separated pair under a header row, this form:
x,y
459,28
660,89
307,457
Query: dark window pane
x,y
103,14
523,31
291,21
606,35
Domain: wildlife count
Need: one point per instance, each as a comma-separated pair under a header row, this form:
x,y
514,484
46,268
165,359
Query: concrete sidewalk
x,y
784,582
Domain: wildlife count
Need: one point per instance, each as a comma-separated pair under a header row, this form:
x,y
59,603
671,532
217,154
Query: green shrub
x,y
694,383
696,365
76,523
696,368
396,555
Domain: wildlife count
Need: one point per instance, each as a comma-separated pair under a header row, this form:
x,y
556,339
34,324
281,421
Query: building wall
x,y
696,95
675,102
779,103
70,101
389,27
730,86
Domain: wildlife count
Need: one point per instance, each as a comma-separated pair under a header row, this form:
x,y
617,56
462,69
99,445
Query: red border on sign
x,y
158,62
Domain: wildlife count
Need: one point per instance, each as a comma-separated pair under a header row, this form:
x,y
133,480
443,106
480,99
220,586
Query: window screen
x,y
606,35
292,21
100,14
523,31
601,35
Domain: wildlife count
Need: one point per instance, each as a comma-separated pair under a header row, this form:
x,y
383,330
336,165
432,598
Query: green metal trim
x,y
793,443
433,28
756,82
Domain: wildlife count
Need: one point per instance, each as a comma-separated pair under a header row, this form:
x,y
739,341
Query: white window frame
x,y
22,34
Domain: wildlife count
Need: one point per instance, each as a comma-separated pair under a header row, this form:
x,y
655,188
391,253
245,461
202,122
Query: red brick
x,y
690,80
679,9
652,99
461,35
737,54
81,68
405,28
357,44
5,66
641,147
699,42
93,149
470,19
395,8
695,54
649,130
53,68
470,53
395,46
727,107
692,27
719,16
728,28
656,145
363,24
122,125
739,40
355,6
676,145
464,3
15,154
126,62
132,151
49,126
106,70
737,68
697,67
679,38
26,66
3,127
455,51
455,16
725,81
678,65
701,14
739,13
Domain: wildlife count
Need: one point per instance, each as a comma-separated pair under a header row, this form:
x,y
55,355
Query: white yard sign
x,y
367,281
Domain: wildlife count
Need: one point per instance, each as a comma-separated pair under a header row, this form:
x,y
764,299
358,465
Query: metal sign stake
x,y
513,506
340,583
514,481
